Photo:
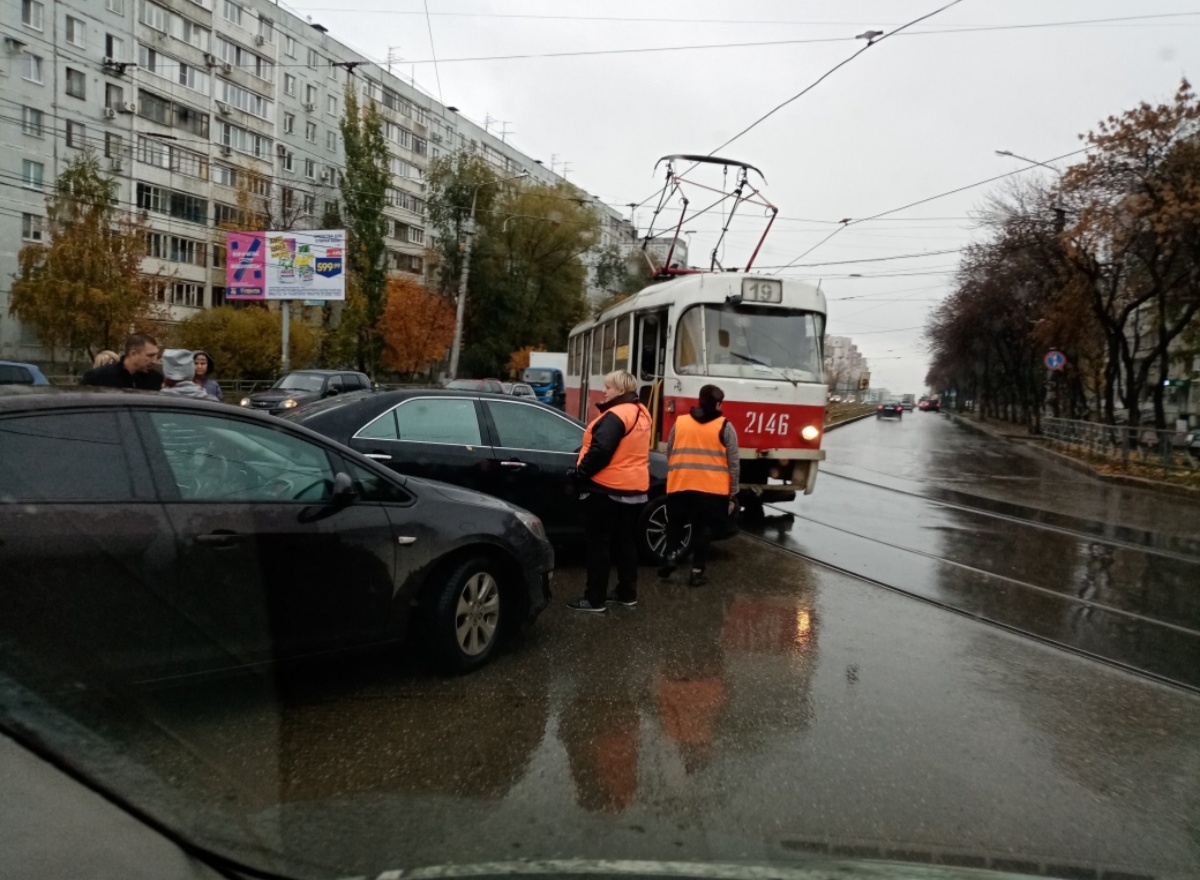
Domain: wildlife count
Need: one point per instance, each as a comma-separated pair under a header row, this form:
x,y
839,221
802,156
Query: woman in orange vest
x,y
702,481
613,469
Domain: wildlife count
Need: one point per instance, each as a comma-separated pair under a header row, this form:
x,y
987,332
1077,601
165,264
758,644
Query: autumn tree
x,y
83,289
364,187
418,326
454,181
245,341
620,274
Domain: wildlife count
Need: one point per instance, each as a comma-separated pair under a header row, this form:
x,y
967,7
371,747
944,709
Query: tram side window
x,y
607,348
595,337
621,354
689,343
648,352
573,356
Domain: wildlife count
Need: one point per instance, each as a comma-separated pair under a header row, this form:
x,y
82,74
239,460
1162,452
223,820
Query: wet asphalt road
x,y
782,713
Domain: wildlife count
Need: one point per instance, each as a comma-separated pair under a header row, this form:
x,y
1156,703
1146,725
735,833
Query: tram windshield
x,y
750,342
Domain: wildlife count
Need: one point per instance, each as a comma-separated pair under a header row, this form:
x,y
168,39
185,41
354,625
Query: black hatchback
x,y
153,537
515,449
302,387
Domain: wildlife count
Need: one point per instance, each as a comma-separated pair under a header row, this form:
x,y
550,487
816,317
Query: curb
x,y
848,421
1082,467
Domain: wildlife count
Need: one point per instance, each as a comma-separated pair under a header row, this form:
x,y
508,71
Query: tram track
x,y
1106,659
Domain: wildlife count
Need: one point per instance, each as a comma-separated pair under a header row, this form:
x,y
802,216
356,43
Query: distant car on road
x,y
930,404
889,409
17,373
908,401
518,450
494,386
172,537
305,386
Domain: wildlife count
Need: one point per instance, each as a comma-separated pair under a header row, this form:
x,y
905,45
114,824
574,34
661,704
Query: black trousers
x,y
704,512
611,539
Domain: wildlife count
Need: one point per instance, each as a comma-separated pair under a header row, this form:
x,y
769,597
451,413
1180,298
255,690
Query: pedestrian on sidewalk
x,y
613,470
206,368
135,369
179,368
702,482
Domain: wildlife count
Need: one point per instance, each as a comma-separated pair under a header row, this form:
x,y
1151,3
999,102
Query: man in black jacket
x,y
134,370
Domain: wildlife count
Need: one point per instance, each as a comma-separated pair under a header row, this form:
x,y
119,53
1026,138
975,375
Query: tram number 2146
x,y
766,423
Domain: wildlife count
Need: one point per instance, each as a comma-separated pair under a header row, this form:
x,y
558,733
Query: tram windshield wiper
x,y
752,359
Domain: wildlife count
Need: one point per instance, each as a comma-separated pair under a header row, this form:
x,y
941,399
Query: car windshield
x,y
538,377
301,382
751,342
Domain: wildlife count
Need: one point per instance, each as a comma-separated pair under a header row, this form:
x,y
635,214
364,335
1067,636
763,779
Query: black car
x,y
889,409
515,449
306,386
156,537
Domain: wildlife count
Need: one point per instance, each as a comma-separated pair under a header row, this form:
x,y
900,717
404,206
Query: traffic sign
x,y
1055,360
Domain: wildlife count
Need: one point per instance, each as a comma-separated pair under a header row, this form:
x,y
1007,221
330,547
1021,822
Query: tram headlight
x,y
810,432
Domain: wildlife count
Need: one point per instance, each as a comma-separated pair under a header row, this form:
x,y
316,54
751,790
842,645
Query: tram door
x,y
584,340
651,356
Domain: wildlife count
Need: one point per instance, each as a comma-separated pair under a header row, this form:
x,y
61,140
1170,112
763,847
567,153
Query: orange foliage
x,y
519,362
417,325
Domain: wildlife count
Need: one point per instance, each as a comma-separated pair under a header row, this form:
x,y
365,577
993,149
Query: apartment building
x,y
191,102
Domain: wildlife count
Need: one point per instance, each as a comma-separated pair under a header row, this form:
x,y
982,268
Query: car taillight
x,y
881,406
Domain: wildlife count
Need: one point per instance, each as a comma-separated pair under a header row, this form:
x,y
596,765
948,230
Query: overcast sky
x,y
916,115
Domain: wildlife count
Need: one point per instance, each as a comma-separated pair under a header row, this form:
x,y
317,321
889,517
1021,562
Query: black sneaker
x,y
698,578
628,603
585,605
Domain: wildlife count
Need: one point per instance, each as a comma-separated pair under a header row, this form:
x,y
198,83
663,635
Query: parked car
x,y
514,449
494,386
17,373
150,536
305,386
520,389
889,409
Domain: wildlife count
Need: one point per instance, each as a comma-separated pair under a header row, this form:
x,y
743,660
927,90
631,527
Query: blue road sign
x,y
1055,360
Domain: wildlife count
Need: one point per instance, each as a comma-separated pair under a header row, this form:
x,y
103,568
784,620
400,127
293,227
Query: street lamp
x,y
1060,213
460,309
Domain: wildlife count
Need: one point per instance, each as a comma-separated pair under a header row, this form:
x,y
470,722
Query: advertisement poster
x,y
299,264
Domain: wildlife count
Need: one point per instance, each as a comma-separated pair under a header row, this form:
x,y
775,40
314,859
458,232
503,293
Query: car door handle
x,y
220,539
378,456
513,464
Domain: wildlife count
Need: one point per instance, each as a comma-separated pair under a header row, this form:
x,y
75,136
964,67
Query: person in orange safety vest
x,y
702,481
613,470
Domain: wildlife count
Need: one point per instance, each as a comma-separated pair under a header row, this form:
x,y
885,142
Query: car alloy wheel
x,y
652,531
478,613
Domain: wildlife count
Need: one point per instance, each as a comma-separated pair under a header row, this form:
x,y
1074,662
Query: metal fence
x,y
1140,445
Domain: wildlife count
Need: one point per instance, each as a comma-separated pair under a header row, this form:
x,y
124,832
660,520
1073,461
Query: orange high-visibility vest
x,y
696,461
629,470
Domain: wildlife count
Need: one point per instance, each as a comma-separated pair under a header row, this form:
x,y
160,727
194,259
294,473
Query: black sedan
x,y
153,537
889,409
515,449
306,386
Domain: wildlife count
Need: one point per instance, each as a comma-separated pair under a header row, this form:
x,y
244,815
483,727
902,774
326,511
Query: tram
x,y
758,337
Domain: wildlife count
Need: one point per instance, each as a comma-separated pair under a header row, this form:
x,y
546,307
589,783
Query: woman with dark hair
x,y
205,368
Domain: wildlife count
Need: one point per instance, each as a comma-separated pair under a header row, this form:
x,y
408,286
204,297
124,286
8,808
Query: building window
x,y
31,227
155,16
31,173
218,296
76,135
117,6
232,12
309,204
331,141
76,32
288,158
420,146
112,145
114,96
310,169
226,215
266,30
289,84
289,47
332,105
244,99
310,95
32,13
416,235
310,132
32,121
114,47
31,67
313,58
289,123
76,83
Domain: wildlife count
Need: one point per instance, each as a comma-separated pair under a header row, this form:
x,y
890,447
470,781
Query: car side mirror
x,y
343,488
331,392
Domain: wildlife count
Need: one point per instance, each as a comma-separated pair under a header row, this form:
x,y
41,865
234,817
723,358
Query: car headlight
x,y
245,401
531,522
810,432
288,404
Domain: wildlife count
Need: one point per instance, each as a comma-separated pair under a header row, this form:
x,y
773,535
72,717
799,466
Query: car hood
x,y
283,394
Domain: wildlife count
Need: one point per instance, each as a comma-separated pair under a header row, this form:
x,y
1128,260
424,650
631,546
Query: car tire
x,y
466,616
652,532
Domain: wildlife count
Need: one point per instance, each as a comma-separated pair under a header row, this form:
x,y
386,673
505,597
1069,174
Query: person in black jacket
x,y
134,370
613,470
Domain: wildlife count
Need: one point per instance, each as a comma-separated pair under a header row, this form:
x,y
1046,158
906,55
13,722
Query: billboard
x,y
299,264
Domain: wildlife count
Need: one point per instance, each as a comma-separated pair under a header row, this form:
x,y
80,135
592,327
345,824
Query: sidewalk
x,y
1008,432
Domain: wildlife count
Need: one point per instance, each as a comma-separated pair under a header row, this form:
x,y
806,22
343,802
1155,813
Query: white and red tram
x,y
759,338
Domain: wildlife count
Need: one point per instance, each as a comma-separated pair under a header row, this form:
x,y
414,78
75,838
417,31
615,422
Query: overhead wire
x,y
433,53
